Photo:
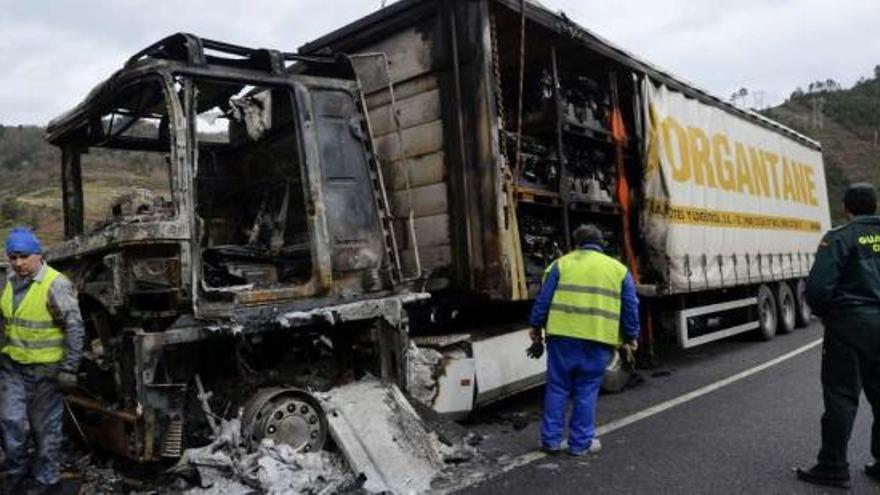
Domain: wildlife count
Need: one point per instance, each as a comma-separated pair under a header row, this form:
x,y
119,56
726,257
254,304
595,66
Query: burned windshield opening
x,y
249,186
124,156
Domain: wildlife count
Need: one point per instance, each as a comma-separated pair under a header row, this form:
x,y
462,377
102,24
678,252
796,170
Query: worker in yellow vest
x,y
42,344
589,308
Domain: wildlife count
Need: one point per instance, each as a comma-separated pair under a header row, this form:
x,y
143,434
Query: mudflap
x,y
382,437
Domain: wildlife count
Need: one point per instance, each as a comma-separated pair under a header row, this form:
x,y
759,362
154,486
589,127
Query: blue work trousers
x,y
31,402
574,371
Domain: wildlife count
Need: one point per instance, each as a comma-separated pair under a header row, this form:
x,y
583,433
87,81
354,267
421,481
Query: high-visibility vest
x,y
32,337
586,303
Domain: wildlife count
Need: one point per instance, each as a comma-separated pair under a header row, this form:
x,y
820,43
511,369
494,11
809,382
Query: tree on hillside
x,y
10,210
827,85
738,97
22,145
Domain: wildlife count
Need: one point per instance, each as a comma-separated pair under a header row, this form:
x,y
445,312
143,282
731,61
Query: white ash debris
x,y
389,309
459,452
225,467
97,480
250,111
280,469
423,365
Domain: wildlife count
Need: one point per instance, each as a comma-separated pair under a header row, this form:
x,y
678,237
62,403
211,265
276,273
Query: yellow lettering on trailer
x,y
788,190
699,149
694,155
681,173
759,173
799,185
809,179
723,165
772,159
690,215
743,177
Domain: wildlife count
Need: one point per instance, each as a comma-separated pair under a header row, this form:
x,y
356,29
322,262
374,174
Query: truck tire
x,y
786,308
802,313
767,315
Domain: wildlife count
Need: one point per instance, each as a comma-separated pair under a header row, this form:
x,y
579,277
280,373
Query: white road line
x,y
669,404
606,428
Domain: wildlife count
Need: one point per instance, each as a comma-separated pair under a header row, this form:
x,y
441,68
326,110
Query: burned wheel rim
x,y
285,415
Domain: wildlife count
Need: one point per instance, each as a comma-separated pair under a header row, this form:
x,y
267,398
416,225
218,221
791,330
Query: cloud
x,y
764,45
54,52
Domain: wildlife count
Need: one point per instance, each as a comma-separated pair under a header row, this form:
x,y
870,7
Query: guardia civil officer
x,y
589,308
43,334
844,290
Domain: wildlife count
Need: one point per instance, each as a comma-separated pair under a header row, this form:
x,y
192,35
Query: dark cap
x,y
860,199
587,234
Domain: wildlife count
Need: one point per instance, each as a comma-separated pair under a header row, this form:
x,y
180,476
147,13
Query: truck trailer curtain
x,y
727,201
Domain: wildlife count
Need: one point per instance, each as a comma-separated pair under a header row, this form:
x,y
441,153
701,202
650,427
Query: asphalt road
x,y
744,437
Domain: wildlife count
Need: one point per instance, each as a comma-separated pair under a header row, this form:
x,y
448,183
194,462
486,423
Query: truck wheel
x,y
802,313
786,307
766,313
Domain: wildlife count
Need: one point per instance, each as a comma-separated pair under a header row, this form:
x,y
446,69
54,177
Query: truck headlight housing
x,y
154,273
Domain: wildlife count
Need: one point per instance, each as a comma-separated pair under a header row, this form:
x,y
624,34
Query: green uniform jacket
x,y
846,275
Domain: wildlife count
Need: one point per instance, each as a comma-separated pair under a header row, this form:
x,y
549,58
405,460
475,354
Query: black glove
x,y
536,350
66,380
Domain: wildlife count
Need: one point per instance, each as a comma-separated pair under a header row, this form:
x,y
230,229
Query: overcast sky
x,y
53,52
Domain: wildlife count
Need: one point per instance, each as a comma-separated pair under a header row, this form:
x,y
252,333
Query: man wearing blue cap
x,y
42,344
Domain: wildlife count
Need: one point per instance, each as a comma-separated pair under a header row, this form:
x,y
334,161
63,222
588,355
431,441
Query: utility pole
x,y
758,99
818,117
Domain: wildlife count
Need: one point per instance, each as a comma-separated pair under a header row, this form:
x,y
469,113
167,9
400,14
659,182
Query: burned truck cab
x,y
255,202
270,195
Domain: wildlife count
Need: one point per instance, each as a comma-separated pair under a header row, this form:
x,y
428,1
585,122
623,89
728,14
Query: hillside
x,y
846,122
30,181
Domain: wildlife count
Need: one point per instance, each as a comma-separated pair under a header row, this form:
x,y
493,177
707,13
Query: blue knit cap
x,y
22,240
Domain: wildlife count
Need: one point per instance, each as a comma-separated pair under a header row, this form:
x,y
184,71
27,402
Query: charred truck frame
x,y
400,182
275,215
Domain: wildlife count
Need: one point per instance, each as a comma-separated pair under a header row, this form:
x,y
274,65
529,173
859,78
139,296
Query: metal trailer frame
x,y
454,42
